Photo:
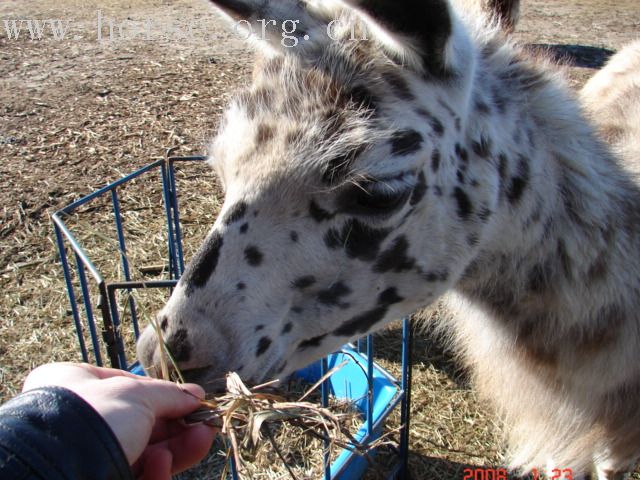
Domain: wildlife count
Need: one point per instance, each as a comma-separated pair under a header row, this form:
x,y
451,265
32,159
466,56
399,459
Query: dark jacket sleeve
x,y
52,434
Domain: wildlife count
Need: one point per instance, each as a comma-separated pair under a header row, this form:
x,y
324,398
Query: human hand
x,y
143,413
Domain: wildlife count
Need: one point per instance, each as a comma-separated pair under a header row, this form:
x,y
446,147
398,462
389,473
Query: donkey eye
x,y
379,202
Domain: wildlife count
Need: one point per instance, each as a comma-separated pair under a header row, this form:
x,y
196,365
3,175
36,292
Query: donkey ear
x,y
423,25
282,24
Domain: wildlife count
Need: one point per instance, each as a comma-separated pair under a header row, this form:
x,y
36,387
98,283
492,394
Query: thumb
x,y
170,400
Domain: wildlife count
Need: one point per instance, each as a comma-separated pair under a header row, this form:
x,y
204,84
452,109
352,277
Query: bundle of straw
x,y
245,414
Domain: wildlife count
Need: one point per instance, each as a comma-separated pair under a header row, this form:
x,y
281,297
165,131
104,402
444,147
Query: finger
x,y
165,429
157,464
188,447
191,447
168,400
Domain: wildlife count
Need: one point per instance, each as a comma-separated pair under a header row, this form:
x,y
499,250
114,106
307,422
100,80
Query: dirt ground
x,y
78,113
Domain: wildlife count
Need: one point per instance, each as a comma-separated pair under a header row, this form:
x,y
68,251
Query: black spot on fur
x,y
435,123
465,207
241,286
540,278
294,137
435,161
263,345
262,97
460,177
363,97
259,327
333,294
312,342
179,346
395,258
419,191
359,240
399,85
287,328
406,142
564,258
253,256
244,227
485,214
294,236
303,282
365,321
332,239
462,153
503,161
605,327
482,107
518,182
297,310
203,264
447,107
599,268
389,297
318,213
482,148
265,133
436,276
164,323
235,213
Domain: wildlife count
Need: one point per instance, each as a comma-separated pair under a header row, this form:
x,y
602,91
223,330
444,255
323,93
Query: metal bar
x,y
405,412
324,393
370,383
86,199
115,319
89,310
77,248
176,217
115,201
166,190
109,334
143,284
199,158
71,293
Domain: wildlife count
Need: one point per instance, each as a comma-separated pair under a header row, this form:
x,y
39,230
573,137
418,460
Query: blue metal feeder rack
x,y
373,391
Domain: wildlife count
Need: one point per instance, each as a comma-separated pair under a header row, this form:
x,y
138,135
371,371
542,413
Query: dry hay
x,y
75,115
273,433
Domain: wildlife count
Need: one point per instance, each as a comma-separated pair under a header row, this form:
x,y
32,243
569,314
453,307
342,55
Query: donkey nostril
x,y
163,321
179,346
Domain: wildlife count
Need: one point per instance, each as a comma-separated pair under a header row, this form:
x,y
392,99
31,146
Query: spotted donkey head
x,y
343,168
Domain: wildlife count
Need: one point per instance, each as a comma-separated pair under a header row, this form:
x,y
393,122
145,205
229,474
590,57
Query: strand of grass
x,y
166,352
163,362
274,444
456,451
326,376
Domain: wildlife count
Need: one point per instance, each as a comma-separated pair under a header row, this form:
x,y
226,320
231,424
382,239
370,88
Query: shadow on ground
x,y
429,348
575,55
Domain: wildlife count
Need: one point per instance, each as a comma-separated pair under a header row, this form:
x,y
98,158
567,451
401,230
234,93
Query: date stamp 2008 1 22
x,y
501,474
